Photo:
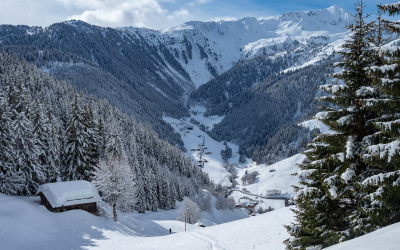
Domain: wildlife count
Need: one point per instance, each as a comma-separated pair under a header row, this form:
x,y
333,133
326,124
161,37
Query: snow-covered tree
x,y
222,201
24,147
41,130
11,180
76,156
383,147
203,201
231,203
330,200
114,144
189,212
52,171
114,179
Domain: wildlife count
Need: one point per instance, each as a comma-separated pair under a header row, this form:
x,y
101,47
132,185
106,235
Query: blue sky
x,y
156,14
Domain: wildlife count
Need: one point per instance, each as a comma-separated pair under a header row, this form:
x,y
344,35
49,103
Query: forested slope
x,y
50,132
262,105
148,77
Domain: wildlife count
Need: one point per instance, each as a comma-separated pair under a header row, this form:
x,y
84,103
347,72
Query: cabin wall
x,y
89,207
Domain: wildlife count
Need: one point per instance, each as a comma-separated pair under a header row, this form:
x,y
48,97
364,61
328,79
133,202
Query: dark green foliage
x,y
333,205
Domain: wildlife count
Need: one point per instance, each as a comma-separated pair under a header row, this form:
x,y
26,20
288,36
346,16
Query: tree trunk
x,y
115,211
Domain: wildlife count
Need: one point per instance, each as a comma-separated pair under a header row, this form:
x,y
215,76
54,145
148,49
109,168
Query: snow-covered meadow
x,y
25,224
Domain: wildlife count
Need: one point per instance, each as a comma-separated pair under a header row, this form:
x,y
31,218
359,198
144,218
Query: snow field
x,y
281,179
265,231
25,224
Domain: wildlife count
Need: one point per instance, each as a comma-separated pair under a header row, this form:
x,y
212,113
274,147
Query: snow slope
x,y
386,238
261,232
282,179
25,224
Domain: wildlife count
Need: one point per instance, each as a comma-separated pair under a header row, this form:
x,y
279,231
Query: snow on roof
x,y
69,193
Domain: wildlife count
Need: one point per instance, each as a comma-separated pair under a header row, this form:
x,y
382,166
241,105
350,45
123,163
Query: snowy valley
x,y
207,135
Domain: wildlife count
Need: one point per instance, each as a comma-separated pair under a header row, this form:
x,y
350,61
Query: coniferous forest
x,y
50,132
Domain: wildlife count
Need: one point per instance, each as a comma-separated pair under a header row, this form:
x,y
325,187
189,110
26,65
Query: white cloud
x,y
115,13
179,14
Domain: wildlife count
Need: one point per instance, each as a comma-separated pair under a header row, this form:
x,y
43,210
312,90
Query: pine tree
x,y
383,147
114,143
92,137
41,129
11,180
54,153
76,156
25,150
151,186
329,205
140,203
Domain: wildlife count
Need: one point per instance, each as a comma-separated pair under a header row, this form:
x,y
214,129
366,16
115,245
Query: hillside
x,y
149,73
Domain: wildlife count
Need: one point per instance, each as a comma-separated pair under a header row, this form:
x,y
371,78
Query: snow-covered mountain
x,y
233,64
206,49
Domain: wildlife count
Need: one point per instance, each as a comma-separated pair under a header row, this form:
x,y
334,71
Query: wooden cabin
x,y
64,196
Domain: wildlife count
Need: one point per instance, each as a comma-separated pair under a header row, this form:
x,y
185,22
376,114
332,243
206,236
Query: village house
x,y
68,195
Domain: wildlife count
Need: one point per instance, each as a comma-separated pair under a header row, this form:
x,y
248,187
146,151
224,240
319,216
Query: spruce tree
x,y
11,180
41,129
76,156
54,153
330,200
25,151
383,147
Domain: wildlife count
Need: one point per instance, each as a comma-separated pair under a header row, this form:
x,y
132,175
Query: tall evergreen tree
x,y
54,152
383,147
11,180
330,201
41,129
25,150
92,137
76,156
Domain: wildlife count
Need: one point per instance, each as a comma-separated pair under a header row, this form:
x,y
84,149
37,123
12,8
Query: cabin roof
x,y
69,193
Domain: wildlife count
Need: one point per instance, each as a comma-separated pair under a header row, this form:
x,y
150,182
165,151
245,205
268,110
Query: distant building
x,y
273,192
68,195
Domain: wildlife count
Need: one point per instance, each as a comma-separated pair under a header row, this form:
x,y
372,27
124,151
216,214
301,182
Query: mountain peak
x,y
335,8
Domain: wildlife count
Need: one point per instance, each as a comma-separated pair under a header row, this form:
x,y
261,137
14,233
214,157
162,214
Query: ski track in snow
x,y
213,243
